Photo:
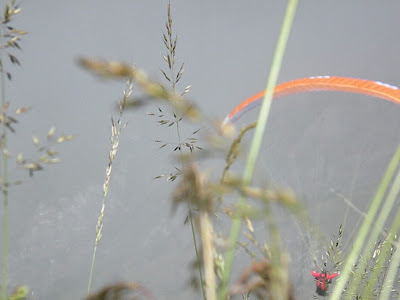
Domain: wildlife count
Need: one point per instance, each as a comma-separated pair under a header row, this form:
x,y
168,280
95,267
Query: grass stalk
x,y
364,230
196,250
208,256
170,58
116,128
4,250
190,216
257,138
4,187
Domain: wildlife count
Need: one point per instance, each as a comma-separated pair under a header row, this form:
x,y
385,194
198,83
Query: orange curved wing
x,y
320,83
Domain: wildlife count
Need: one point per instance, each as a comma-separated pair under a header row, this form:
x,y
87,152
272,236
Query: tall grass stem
x,y
196,249
170,58
208,255
4,187
257,138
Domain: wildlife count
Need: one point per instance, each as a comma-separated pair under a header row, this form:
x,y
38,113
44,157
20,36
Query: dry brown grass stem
x,y
285,197
208,255
257,279
121,291
233,153
194,189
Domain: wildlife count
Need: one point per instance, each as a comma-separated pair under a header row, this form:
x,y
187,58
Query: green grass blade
x,y
376,230
379,265
394,263
390,276
4,189
257,138
364,230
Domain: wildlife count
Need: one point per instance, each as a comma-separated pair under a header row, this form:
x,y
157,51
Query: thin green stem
x,y
91,269
190,214
4,188
257,138
114,139
5,249
4,256
173,86
197,252
99,228
99,225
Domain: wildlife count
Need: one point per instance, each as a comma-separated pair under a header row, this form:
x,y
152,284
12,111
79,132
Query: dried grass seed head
x,y
195,189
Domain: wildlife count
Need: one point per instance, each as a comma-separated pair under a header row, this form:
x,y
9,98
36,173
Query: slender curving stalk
x,y
170,58
196,250
257,138
4,187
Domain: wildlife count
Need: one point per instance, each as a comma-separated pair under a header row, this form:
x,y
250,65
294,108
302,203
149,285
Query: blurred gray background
x,y
314,142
